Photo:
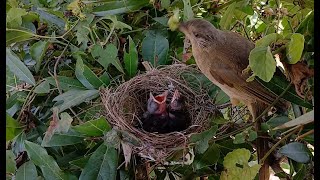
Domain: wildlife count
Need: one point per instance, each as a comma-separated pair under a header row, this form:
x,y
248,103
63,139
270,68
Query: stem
x,y
275,145
305,134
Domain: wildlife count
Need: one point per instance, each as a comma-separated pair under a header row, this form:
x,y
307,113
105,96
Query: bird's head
x,y
176,103
157,104
199,31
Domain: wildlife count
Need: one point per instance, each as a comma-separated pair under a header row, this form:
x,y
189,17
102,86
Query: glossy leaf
x,y
74,97
262,63
301,120
14,17
155,48
295,48
27,171
93,128
37,51
268,40
187,10
208,158
47,164
64,139
117,7
10,162
131,59
201,139
15,36
227,17
86,76
65,83
107,56
18,68
102,164
42,88
278,84
296,151
13,128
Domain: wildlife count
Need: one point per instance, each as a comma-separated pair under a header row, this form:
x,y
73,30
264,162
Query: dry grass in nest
x,y
125,104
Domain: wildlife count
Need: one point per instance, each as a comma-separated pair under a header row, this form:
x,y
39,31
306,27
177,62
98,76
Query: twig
x,y
305,134
275,145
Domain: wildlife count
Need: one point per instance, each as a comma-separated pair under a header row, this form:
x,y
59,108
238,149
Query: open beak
x,y
161,98
176,95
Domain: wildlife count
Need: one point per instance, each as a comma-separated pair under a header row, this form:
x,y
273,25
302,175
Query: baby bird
x,y
155,119
178,120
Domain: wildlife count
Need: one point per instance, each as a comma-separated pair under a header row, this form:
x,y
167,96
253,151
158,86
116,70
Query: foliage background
x,y
60,52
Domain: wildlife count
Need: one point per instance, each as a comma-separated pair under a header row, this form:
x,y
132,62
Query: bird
x,y
222,56
178,119
155,119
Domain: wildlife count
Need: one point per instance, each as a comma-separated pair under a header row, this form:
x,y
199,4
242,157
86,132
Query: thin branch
x,y
275,145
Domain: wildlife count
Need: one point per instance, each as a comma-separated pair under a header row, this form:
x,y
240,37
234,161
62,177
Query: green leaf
x,y
296,151
37,52
83,29
59,139
253,135
117,24
14,17
102,164
93,128
187,10
14,36
155,48
301,173
295,48
86,76
306,27
13,128
74,97
65,122
268,39
47,164
237,167
165,4
50,17
107,56
118,7
131,59
18,68
65,83
81,162
239,139
226,19
208,158
105,78
10,162
42,88
278,84
201,139
27,171
262,63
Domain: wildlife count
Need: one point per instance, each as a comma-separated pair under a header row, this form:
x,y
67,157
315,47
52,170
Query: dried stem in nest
x,y
125,104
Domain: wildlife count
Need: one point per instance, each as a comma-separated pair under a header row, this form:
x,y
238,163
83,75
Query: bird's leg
x,y
256,108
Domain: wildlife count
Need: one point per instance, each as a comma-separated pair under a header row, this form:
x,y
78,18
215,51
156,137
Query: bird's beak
x,y
182,27
161,98
176,95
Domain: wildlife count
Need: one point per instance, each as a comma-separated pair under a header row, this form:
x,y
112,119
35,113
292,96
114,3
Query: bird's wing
x,y
235,79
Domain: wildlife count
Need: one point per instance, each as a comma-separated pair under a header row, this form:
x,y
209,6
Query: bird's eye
x,y
196,35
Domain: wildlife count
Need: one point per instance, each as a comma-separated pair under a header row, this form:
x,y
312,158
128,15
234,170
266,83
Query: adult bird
x,y
222,56
155,119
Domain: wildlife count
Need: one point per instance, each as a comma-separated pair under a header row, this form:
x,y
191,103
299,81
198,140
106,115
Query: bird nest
x,y
125,104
